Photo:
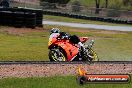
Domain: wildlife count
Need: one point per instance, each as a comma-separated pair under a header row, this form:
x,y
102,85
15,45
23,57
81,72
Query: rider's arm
x,y
64,35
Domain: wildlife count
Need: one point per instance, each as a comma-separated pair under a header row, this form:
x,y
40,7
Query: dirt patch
x,y
97,31
110,32
21,31
79,30
44,70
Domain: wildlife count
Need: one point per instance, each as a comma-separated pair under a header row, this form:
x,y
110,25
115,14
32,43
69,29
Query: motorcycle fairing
x,y
70,49
52,39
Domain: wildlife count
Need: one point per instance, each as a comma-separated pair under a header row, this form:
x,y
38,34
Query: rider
x,y
63,35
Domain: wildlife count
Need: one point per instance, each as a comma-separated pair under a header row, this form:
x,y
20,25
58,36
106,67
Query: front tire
x,y
56,55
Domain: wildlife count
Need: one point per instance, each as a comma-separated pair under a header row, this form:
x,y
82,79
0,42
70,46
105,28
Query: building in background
x,y
35,2
25,3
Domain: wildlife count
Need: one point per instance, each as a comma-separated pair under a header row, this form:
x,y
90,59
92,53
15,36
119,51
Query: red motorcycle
x,y
61,49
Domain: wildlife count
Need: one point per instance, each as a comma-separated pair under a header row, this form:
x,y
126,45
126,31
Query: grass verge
x,y
73,20
54,82
17,44
109,45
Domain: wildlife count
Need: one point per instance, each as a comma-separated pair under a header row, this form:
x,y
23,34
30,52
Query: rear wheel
x,y
93,56
56,55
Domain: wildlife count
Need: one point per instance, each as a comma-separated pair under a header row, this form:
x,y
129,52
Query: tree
x,y
125,2
130,1
97,6
106,3
76,6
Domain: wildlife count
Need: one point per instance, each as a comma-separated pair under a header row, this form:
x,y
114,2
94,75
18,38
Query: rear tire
x,y
56,55
94,55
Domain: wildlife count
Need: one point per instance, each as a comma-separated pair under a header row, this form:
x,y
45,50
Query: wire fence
x,y
73,9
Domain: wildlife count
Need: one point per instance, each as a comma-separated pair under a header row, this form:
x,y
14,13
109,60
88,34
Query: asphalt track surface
x,y
93,26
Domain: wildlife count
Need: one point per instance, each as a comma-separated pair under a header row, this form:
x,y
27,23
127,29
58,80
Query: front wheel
x,y
56,55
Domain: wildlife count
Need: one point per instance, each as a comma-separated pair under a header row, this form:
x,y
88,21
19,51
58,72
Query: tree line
x,y
97,3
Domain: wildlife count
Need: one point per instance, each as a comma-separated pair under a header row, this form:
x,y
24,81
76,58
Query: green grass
x,y
112,4
111,46
31,46
73,20
54,82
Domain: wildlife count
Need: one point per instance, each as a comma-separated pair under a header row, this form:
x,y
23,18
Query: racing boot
x,y
86,56
84,53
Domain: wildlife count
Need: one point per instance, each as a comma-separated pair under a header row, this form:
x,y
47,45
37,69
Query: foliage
x,y
92,3
114,9
125,2
76,6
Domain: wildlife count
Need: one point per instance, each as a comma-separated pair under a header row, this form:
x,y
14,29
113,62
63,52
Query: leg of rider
x,y
82,47
75,39
84,53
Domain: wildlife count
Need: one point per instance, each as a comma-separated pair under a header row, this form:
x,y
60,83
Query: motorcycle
x,y
61,49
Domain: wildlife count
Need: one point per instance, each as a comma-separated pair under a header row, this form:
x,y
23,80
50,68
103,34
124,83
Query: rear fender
x,y
83,39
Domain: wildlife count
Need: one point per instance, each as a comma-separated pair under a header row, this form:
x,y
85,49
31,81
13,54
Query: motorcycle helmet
x,y
55,30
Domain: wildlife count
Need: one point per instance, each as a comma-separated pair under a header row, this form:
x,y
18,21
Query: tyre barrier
x,y
6,15
21,17
94,18
30,20
39,15
18,19
130,21
39,18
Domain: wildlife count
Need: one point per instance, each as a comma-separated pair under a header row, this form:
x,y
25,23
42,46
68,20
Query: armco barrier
x,y
21,17
94,18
